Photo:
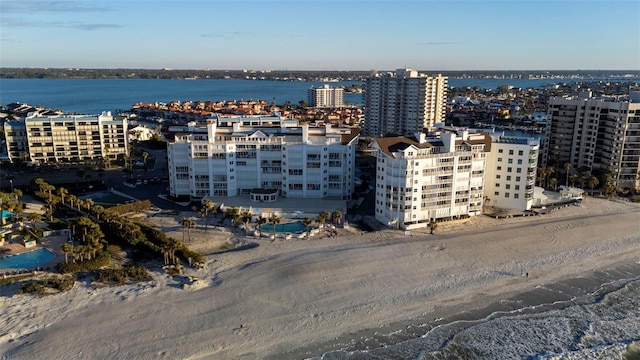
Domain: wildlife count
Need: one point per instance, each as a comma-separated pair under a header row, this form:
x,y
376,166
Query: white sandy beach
x,y
286,295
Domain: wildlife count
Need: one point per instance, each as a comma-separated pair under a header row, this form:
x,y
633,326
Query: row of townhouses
x,y
65,137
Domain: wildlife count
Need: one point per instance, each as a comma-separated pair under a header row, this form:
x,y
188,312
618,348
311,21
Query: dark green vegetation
x,y
48,286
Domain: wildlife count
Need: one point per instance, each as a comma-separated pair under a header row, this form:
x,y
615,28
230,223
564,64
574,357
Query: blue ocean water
x,y
92,96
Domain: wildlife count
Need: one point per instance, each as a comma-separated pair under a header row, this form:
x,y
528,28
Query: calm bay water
x,y
91,96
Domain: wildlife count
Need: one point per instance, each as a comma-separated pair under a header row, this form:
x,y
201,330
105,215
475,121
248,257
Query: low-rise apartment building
x,y
262,158
66,137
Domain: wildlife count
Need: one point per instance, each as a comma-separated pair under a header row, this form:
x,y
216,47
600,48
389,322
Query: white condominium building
x,y
66,137
601,134
511,172
325,96
439,175
261,157
403,102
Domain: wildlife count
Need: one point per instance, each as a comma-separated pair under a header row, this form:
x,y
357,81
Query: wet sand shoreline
x,y
553,296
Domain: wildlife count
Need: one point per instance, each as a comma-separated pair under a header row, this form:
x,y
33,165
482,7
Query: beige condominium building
x,y
601,134
66,138
403,102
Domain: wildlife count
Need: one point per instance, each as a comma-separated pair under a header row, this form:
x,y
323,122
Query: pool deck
x,y
51,243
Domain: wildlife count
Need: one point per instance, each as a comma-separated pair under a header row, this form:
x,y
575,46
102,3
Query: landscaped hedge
x,y
102,259
137,206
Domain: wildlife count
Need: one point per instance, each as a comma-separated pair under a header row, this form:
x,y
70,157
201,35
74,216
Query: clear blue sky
x,y
322,34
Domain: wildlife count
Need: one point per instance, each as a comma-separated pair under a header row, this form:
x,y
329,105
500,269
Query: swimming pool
x,y
290,227
27,260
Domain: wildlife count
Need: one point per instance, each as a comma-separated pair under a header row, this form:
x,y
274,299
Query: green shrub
x,y
127,275
47,286
102,259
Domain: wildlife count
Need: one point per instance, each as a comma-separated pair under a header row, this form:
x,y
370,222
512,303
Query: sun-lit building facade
x,y
253,156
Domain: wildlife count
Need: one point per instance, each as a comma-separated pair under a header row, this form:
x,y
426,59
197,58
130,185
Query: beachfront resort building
x,y
436,174
450,173
325,97
601,134
262,158
510,173
44,139
403,102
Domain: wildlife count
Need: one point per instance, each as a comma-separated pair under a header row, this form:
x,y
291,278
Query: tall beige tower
x,y
403,102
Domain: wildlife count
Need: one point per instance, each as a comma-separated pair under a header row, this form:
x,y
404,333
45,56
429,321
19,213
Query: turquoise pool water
x,y
27,260
290,227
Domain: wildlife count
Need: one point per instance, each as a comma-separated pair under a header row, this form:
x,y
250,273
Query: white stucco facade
x,y
234,155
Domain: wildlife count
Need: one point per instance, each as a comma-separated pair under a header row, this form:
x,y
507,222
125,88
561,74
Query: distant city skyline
x,y
322,35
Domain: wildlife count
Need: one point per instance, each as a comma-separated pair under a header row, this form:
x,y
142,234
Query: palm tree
x,y
88,204
261,221
33,217
336,216
16,193
246,217
62,192
542,173
567,167
307,223
553,182
185,223
207,206
548,172
67,249
322,217
274,220
233,214
592,183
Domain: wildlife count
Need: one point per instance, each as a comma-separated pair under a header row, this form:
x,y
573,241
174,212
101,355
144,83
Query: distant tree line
x,y
305,75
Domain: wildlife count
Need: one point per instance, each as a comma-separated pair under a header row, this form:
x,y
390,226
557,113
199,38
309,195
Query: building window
x,y
499,168
519,170
499,159
516,196
506,195
508,186
509,169
500,151
497,185
508,177
510,152
510,161
498,176
519,161
517,178
497,193
517,187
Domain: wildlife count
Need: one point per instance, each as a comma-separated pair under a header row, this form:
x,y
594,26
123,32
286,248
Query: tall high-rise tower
x,y
403,102
601,134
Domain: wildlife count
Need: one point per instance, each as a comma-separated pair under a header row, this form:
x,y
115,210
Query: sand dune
x,y
282,296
